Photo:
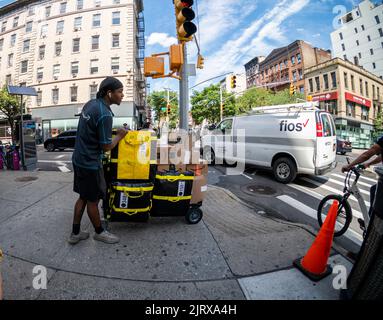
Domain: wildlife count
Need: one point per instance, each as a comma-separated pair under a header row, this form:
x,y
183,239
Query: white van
x,y
289,139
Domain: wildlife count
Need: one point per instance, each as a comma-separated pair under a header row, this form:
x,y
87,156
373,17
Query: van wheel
x,y
284,170
51,147
209,155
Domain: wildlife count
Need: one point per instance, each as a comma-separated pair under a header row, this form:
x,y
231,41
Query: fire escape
x,y
139,78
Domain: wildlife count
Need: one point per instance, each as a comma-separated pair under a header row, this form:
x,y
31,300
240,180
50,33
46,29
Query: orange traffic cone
x,y
314,263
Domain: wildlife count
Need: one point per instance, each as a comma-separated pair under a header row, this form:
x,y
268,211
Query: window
x,y
58,46
333,80
325,81
374,65
350,109
281,66
74,68
366,86
47,11
115,40
76,45
361,86
116,18
56,71
293,60
352,83
294,76
44,30
345,80
93,66
95,42
55,96
326,125
357,42
362,27
365,113
97,3
343,47
62,7
13,40
60,27
341,36
77,23
373,92
300,74
31,11
93,91
377,19
24,66
15,22
73,94
116,1
26,45
39,97
368,38
115,64
1,44
344,57
10,60
8,79
299,58
96,20
317,84
40,73
360,55
356,61
4,26
356,30
286,63
80,4
41,52
371,51
380,32
28,26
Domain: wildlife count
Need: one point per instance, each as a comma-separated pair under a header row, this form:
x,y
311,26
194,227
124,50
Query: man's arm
x,y
374,150
121,133
378,159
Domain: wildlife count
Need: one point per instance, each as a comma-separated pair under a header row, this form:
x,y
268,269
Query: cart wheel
x,y
194,215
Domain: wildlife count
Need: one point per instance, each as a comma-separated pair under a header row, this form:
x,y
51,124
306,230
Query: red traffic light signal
x,y
184,16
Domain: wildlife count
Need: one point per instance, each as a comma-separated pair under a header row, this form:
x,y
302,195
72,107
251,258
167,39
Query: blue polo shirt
x,y
94,129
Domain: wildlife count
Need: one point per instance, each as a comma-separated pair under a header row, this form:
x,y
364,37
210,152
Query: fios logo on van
x,y
285,126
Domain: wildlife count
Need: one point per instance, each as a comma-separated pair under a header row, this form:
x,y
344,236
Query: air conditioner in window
x,y
74,75
55,77
115,71
77,29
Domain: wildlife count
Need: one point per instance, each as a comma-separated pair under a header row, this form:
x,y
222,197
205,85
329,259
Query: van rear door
x,y
326,140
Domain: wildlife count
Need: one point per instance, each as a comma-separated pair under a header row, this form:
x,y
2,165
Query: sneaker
x,y
75,238
106,237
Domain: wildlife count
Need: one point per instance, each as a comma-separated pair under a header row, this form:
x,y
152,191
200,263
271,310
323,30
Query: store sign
x,y
326,96
359,100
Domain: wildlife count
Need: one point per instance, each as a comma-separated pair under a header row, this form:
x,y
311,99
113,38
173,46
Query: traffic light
x,y
184,16
200,62
292,89
168,109
233,82
223,109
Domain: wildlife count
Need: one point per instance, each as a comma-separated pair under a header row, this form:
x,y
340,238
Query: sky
x,y
232,32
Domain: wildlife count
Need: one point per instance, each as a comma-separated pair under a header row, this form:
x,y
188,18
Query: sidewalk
x,y
233,253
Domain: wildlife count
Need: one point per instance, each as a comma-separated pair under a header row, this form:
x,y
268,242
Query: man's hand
x,y
122,132
346,168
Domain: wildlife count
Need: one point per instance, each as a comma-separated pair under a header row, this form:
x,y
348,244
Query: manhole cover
x,y
25,179
263,190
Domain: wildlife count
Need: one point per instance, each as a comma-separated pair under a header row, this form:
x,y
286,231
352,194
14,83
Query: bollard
x,y
365,281
15,159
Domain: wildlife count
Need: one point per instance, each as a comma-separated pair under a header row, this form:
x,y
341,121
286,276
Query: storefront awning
x,y
359,100
326,96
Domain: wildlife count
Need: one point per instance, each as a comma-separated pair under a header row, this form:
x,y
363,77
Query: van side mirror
x,y
212,127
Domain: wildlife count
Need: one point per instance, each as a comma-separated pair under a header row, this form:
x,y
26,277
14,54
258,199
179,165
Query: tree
x,y
378,126
10,107
206,104
158,101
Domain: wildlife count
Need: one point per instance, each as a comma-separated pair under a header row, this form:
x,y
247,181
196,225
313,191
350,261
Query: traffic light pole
x,y
184,94
221,101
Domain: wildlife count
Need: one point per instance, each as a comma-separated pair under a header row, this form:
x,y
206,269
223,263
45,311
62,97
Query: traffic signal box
x,y
184,16
233,82
176,57
200,62
154,66
292,89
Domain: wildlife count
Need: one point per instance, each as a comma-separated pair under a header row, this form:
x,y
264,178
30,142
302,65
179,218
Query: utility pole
x,y
184,94
221,101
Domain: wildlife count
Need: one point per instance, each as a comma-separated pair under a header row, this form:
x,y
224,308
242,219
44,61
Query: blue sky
x,y
232,32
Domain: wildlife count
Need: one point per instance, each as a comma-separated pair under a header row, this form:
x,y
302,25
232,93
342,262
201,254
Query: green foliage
x,y
378,126
158,100
9,106
207,105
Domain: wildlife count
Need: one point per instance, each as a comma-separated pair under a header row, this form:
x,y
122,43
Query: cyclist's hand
x,y
346,168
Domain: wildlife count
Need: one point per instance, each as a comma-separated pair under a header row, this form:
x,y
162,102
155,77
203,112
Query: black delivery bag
x,y
129,201
172,193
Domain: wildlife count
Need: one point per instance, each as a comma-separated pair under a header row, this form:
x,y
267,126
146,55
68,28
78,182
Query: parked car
x,y
343,146
64,140
288,139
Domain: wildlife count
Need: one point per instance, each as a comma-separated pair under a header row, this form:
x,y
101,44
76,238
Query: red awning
x,y
326,96
359,100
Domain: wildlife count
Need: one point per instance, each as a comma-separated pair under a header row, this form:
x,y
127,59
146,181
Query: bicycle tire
x,y
342,204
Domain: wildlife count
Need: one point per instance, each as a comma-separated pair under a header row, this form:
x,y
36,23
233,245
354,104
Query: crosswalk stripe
x,y
369,179
332,190
53,161
350,234
359,182
64,169
342,184
355,213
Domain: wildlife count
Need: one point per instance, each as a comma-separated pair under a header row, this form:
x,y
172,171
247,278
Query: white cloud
x,y
163,39
317,35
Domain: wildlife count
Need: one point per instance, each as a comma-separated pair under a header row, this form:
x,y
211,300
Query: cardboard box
x,y
166,167
202,168
199,189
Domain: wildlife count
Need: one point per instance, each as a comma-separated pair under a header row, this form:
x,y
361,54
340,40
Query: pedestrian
x,y
94,136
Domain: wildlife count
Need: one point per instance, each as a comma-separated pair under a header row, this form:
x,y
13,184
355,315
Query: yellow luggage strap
x,y
174,178
172,199
131,212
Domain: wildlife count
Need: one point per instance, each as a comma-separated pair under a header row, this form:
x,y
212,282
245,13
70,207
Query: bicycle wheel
x,y
344,217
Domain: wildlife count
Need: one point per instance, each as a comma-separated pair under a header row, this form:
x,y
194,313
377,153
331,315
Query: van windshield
x,y
327,128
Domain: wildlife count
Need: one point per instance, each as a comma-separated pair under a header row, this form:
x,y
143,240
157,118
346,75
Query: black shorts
x,y
89,184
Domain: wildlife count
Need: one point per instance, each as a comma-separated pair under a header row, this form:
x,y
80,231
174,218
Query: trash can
x,y
365,281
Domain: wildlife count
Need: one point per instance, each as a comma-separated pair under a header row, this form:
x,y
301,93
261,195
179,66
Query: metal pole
x,y
184,94
22,136
167,105
221,101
